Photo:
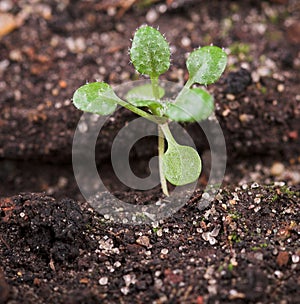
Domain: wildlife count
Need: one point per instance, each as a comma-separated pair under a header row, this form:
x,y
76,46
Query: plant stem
x,y
188,84
140,112
155,89
186,87
161,151
168,135
161,141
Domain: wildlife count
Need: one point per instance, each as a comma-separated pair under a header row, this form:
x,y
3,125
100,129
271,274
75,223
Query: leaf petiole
x,y
168,135
140,112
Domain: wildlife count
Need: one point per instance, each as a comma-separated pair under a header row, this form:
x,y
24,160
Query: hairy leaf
x,y
150,53
191,105
181,164
95,97
206,64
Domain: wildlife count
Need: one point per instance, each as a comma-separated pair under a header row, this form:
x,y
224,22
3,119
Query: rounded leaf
x,y
143,94
191,105
206,64
181,164
95,97
150,53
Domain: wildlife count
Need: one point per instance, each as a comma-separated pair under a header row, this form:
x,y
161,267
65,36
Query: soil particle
x,y
238,81
293,32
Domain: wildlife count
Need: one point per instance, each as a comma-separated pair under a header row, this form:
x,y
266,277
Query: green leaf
x,y
206,64
150,53
191,105
154,106
142,95
95,97
181,164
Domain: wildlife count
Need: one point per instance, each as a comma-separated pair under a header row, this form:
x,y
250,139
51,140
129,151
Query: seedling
x,y
150,55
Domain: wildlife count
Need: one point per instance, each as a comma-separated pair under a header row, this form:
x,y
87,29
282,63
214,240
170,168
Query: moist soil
x,y
239,246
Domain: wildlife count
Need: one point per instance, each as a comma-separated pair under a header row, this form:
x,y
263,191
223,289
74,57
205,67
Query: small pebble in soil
x,y
230,97
125,290
162,8
280,88
15,55
244,186
278,274
103,281
263,71
159,233
164,251
257,200
129,279
245,118
277,169
232,202
117,264
205,196
295,258
152,16
144,241
8,23
186,42
81,281
77,45
255,76
226,112
259,256
254,185
282,258
234,295
6,5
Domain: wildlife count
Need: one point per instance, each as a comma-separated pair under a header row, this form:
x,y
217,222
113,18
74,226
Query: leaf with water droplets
x,y
206,65
150,53
191,105
95,97
181,164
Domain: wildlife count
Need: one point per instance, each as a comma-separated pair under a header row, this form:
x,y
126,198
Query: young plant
x,y
150,55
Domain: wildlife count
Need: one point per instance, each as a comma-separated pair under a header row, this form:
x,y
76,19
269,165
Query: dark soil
x,y
59,252
242,248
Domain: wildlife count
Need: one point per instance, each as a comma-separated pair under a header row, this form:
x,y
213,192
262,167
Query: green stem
x,y
168,135
187,86
140,112
161,151
161,143
155,88
161,140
